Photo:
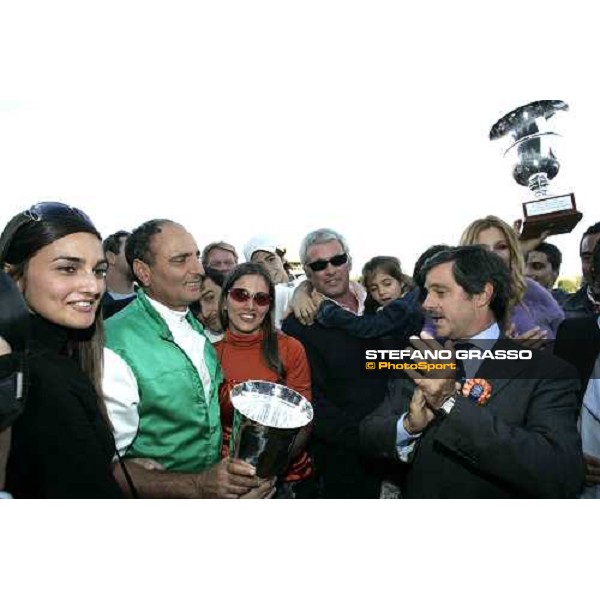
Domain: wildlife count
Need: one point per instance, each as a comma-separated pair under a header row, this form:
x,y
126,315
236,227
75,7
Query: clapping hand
x,y
436,390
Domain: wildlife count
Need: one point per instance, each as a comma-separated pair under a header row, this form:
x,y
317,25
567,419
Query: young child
x,y
384,282
399,313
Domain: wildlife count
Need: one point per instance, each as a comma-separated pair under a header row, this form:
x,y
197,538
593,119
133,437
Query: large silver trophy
x,y
531,147
266,422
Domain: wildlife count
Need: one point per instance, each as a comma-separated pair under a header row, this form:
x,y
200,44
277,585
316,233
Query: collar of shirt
x,y
359,293
491,333
119,296
595,304
175,318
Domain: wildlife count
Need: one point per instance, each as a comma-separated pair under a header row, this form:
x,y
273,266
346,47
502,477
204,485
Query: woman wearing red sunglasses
x,y
253,349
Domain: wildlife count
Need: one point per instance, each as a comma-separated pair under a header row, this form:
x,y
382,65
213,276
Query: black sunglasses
x,y
241,295
337,261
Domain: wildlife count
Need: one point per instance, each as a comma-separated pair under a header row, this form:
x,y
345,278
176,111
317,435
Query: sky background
x,y
236,118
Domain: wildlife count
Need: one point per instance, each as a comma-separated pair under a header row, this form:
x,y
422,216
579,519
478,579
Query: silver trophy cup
x,y
267,419
531,146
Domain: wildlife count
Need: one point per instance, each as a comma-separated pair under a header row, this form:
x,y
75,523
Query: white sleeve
x,y
405,442
122,399
283,295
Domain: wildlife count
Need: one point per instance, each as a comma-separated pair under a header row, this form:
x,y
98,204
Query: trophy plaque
x,y
268,417
532,149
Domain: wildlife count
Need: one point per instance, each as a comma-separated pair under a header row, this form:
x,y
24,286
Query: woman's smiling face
x,y
246,317
64,281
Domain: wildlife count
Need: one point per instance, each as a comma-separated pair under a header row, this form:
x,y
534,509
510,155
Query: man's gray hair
x,y
321,236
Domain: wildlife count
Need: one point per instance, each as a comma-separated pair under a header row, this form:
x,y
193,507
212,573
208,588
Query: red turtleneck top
x,y
241,359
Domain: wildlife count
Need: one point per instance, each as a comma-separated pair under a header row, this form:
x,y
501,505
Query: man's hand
x,y
534,338
303,305
4,347
230,478
147,463
592,469
532,243
264,491
436,389
317,299
419,415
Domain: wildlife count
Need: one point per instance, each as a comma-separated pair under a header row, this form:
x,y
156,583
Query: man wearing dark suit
x,y
578,342
517,438
342,396
582,303
120,290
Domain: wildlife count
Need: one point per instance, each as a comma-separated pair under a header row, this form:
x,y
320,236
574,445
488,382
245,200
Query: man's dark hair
x,y
218,277
113,242
591,230
431,251
419,280
473,267
138,243
553,254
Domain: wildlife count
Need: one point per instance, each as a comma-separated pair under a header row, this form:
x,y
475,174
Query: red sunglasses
x,y
241,295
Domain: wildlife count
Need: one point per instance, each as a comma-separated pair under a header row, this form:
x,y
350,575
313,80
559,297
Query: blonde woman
x,y
532,311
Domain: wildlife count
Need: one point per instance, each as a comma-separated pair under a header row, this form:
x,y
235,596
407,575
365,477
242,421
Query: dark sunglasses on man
x,y
319,265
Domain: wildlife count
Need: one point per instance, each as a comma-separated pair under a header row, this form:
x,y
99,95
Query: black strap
x,y
132,487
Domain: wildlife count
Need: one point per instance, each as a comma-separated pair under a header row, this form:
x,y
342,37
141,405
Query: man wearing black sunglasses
x,y
341,395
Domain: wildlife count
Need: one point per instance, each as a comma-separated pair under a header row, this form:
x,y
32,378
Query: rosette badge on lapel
x,y
477,390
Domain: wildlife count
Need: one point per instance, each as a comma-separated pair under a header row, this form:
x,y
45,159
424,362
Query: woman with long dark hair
x,y
253,349
62,445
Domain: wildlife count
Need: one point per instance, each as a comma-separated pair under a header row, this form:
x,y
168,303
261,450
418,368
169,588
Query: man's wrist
x,y
409,427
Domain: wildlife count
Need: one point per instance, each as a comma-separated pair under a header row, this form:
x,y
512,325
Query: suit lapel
x,y
501,372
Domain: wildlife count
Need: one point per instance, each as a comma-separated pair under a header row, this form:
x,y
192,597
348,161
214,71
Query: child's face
x,y
384,288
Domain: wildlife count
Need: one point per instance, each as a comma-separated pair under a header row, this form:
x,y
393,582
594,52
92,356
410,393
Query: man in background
x,y
219,256
119,278
542,264
582,303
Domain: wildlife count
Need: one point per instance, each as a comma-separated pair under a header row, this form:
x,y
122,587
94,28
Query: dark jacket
x,y
578,304
61,445
110,306
522,443
578,342
342,397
